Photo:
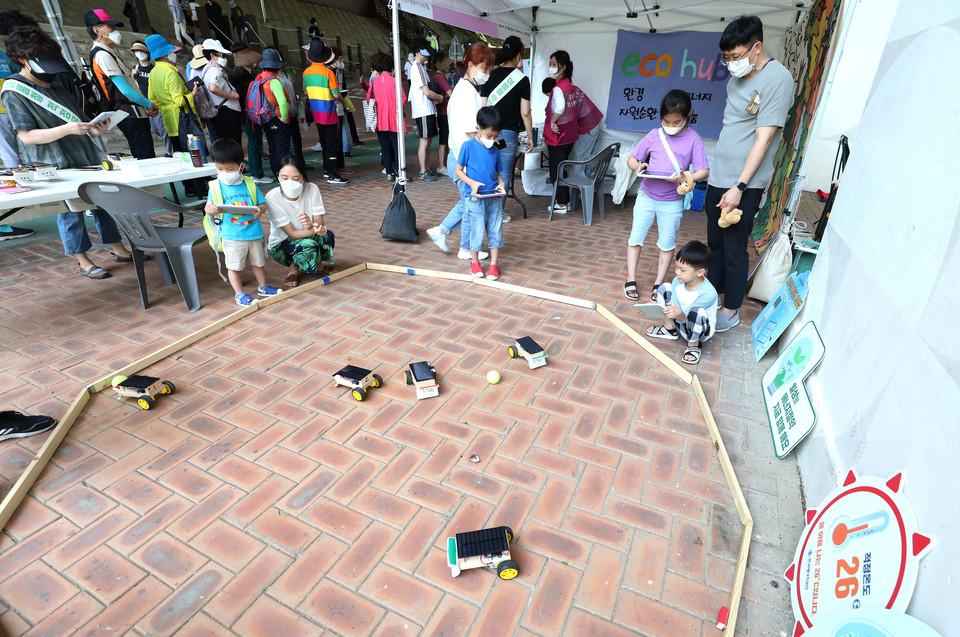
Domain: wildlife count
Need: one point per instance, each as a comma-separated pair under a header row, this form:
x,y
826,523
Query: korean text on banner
x,y
648,65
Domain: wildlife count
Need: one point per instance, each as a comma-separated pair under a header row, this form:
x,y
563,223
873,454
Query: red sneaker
x,y
493,273
476,269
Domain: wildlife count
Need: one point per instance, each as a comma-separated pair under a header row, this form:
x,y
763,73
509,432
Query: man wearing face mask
x,y
141,74
759,93
118,93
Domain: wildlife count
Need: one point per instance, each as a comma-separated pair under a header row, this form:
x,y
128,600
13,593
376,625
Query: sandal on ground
x,y
653,292
630,291
659,331
691,355
291,281
95,272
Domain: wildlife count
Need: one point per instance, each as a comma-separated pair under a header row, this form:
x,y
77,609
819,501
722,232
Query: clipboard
x,y
646,175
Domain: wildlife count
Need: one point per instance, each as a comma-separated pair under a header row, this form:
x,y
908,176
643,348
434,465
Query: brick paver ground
x,y
261,499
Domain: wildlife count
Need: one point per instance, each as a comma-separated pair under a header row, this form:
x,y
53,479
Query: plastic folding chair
x,y
132,209
587,181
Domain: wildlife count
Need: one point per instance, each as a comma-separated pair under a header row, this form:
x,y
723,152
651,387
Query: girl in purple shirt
x,y
666,150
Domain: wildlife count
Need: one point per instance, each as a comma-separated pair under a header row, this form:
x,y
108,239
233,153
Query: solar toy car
x,y
529,349
358,379
486,548
144,388
423,376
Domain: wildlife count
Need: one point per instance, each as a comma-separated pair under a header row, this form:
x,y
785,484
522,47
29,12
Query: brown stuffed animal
x,y
687,184
729,216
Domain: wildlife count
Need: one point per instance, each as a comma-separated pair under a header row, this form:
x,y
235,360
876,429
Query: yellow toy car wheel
x,y
358,393
168,388
408,377
377,381
509,535
146,403
508,569
512,352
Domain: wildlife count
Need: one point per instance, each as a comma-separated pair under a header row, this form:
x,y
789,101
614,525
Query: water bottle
x,y
193,146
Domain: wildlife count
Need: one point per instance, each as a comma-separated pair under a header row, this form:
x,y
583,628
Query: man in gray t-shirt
x,y
759,95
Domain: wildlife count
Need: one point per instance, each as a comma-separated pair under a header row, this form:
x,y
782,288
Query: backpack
x,y
211,223
109,98
87,93
203,100
258,108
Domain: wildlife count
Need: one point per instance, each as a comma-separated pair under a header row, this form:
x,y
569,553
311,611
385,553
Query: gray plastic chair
x,y
132,208
587,181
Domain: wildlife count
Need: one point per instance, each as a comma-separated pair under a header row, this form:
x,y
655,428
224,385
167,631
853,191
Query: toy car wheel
x,y
509,535
508,569
145,403
358,393
168,388
408,377
377,381
512,352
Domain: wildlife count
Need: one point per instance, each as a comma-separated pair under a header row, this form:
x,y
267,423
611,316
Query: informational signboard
x,y
648,65
860,550
779,313
871,623
789,408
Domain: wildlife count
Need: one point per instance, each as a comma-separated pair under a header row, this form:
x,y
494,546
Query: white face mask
x,y
487,143
672,130
233,178
143,57
553,71
291,188
116,37
480,78
172,58
741,67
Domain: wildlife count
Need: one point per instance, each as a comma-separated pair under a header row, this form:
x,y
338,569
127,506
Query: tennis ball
x,y
118,379
493,377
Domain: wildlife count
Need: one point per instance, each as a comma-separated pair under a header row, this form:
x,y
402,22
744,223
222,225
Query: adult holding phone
x,y
227,121
759,94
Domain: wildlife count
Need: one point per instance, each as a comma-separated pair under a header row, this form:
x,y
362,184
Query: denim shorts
x,y
482,216
667,214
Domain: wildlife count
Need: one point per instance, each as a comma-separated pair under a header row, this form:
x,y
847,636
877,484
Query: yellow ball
x,y
493,377
118,379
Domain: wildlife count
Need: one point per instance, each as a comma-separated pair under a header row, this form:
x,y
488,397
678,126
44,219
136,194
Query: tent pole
x,y
397,70
55,17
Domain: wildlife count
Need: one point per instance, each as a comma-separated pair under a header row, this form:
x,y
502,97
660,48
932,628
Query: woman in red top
x,y
383,92
562,127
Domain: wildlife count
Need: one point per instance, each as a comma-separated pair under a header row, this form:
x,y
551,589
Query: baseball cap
x,y
213,45
95,17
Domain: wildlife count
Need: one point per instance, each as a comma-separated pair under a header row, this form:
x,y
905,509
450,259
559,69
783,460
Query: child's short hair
x,y
488,118
547,85
676,102
695,254
227,151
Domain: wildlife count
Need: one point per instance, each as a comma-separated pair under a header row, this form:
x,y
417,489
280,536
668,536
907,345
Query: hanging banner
x,y
860,550
789,408
462,19
648,65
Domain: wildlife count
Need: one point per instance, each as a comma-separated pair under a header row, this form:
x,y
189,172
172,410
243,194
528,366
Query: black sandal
x,y
630,291
659,331
653,292
694,352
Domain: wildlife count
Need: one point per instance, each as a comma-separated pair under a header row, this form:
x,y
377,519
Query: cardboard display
x,y
773,321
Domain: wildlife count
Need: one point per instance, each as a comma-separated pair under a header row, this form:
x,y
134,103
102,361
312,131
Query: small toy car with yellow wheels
x,y
144,388
423,376
358,379
486,548
530,350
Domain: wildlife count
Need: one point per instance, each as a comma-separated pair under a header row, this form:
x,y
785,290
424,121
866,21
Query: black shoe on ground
x,y
13,424
13,232
336,180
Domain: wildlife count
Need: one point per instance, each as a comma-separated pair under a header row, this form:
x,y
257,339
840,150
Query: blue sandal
x,y
244,299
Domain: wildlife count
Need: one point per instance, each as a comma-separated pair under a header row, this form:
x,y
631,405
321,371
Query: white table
x,y
133,172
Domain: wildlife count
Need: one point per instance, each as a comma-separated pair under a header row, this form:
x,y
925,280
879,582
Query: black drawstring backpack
x,y
400,219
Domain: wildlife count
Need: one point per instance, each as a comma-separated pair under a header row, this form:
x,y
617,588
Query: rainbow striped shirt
x,y
321,89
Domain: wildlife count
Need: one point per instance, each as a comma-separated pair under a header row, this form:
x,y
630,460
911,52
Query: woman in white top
x,y
299,238
228,121
462,109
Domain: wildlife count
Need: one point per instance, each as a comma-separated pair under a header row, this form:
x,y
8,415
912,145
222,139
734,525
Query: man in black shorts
x,y
423,107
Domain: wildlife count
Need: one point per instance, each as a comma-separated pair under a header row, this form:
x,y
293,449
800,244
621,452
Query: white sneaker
x,y
439,237
317,148
466,256
507,218
442,170
560,210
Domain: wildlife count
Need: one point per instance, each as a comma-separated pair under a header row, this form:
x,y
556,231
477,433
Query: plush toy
x,y
687,184
729,216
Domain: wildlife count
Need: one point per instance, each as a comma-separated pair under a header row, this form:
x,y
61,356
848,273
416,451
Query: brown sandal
x,y
291,281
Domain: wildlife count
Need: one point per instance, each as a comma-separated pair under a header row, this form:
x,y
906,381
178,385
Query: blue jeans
x,y
482,216
453,219
508,155
254,148
345,135
73,230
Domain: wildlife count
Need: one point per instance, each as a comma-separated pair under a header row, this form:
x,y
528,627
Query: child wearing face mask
x,y
299,238
240,235
665,151
480,171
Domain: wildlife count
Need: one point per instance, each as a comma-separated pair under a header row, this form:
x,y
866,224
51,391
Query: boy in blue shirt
x,y
241,234
689,303
480,172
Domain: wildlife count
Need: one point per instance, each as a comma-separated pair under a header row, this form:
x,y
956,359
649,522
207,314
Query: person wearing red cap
x,y
118,94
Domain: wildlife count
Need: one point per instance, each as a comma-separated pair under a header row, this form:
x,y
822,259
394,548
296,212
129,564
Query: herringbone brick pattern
x,y
260,499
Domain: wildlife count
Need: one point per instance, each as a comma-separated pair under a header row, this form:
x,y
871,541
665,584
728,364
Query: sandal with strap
x,y
659,331
691,355
630,291
291,280
654,293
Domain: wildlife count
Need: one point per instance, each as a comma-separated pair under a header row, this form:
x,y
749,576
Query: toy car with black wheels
x,y
528,349
358,379
423,376
144,388
486,548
